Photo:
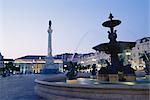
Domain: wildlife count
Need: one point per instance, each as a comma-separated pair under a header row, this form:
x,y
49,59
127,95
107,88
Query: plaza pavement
x,y
19,87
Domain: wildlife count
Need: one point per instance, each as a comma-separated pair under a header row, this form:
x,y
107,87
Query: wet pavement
x,y
19,87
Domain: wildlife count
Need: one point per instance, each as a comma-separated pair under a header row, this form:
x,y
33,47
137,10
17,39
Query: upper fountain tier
x,y
111,23
118,46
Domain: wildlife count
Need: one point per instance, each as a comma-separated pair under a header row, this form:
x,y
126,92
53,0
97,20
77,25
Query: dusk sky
x,y
76,24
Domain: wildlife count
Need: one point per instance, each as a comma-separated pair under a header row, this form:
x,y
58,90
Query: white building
x,y
34,63
30,64
142,46
97,58
66,58
126,56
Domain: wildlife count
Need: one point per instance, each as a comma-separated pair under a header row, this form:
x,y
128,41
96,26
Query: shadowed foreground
x,y
18,87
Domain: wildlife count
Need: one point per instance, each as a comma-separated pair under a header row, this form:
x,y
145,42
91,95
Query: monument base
x,y
50,71
50,68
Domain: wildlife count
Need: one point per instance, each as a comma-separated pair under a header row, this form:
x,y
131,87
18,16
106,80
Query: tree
x,y
9,67
2,70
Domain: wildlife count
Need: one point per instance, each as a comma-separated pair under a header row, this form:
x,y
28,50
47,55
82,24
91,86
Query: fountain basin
x,y
122,45
87,89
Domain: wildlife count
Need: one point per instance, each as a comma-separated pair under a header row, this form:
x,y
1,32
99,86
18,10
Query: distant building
x,y
8,60
142,46
125,56
66,58
34,63
30,63
97,58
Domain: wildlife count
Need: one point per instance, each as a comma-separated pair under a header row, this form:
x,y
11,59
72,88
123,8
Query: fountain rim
x,y
92,86
104,46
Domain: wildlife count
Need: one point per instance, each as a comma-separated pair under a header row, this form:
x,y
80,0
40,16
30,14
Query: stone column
x,y
49,56
50,67
49,41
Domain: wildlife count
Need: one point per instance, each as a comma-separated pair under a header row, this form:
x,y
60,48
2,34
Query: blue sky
x,y
24,24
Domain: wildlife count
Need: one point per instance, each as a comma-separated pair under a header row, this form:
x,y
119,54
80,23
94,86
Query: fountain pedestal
x,y
130,77
102,77
113,78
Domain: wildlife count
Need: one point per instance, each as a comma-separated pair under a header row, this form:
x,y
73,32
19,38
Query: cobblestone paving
x,y
18,87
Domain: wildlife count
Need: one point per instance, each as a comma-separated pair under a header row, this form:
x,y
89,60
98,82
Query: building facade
x,y
34,63
97,58
30,64
126,56
66,58
141,48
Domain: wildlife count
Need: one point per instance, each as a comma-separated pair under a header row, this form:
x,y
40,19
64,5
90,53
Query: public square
x,y
74,50
19,87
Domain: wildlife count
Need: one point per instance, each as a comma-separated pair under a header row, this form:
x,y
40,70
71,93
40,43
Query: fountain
x,y
114,82
115,71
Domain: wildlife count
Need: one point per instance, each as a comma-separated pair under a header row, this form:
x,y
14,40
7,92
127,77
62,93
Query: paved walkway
x,y
18,87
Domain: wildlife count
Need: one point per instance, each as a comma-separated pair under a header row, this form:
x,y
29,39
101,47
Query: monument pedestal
x,y
50,71
50,68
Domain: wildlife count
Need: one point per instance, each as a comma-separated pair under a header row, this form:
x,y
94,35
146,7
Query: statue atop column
x,y
50,29
50,23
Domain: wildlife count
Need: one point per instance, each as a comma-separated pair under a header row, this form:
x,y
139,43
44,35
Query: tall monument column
x,y
50,67
49,39
49,56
